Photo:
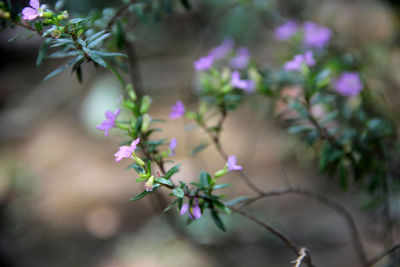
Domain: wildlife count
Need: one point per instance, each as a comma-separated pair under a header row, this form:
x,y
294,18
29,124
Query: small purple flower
x,y
232,164
148,185
177,110
172,146
32,12
315,35
126,151
349,84
204,63
109,122
298,60
286,31
222,50
194,212
242,58
246,85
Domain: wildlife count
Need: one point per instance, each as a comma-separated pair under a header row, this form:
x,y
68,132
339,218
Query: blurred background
x,y
64,200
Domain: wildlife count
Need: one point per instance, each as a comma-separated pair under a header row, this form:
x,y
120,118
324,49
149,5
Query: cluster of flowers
x,y
239,61
316,37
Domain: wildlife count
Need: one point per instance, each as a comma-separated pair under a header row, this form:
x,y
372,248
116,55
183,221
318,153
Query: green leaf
x,y
164,181
298,129
94,36
136,167
77,20
178,192
196,184
62,54
97,59
170,206
108,54
220,186
116,73
172,171
141,195
98,40
197,149
42,51
296,105
64,67
236,201
205,179
217,220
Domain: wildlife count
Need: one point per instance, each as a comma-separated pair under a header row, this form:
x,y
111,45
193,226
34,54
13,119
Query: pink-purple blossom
x,y
286,31
177,110
172,145
242,58
194,212
126,151
204,63
232,164
298,60
222,50
316,35
34,11
109,122
349,84
246,85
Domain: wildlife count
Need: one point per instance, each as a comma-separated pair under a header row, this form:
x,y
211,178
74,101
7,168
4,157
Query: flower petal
x,y
35,4
29,13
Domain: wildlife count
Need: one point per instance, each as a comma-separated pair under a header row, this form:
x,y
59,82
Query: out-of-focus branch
x,y
299,252
383,254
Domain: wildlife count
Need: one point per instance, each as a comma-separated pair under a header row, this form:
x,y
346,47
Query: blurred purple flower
x,y
109,122
246,85
315,35
298,60
286,31
349,84
32,12
194,213
172,146
222,50
148,185
242,58
177,110
232,164
204,63
126,151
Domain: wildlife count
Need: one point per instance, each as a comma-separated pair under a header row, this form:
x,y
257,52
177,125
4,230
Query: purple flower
x,y
204,63
285,31
242,58
222,50
32,12
148,185
177,110
298,60
349,84
172,146
126,151
246,85
109,122
194,212
316,35
232,164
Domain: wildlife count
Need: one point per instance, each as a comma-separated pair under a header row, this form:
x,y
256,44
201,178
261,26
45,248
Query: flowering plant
x,y
329,111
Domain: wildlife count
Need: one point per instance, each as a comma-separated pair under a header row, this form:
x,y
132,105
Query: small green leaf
x,y
217,220
220,186
197,149
172,171
178,192
42,51
175,202
97,59
164,181
236,201
98,40
138,169
64,67
141,195
205,179
298,129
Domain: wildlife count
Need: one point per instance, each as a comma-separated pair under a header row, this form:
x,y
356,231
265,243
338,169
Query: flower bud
x,y
130,91
221,173
148,186
48,14
146,122
203,108
145,105
138,160
56,34
128,104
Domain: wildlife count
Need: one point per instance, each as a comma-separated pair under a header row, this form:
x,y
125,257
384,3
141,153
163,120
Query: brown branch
x,y
356,239
118,14
383,254
277,233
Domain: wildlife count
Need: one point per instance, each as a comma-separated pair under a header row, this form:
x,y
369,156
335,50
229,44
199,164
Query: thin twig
x,y
301,257
383,254
356,239
118,14
275,232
